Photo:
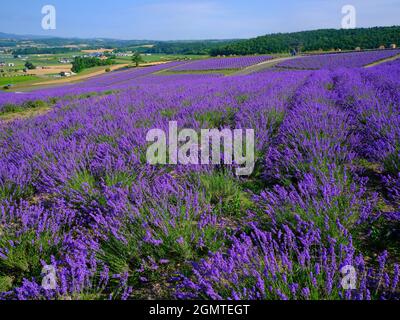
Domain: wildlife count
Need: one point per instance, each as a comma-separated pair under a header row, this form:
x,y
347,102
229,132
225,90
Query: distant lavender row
x,y
334,61
130,74
111,81
222,63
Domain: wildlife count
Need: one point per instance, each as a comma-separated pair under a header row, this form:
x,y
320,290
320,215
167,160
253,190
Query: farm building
x,y
393,46
11,64
2,64
65,74
382,47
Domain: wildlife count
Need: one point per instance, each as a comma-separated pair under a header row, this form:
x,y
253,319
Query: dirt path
x,y
382,61
261,66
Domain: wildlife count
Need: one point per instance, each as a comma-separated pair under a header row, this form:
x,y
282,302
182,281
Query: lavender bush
x,y
76,192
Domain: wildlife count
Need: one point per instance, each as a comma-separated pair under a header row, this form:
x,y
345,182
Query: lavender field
x,y
334,61
222,63
77,193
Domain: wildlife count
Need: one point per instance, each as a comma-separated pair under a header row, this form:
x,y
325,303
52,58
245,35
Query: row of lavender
x,y
76,192
222,63
321,197
109,82
126,79
339,60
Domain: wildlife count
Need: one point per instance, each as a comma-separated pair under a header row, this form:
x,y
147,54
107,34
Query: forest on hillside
x,y
327,39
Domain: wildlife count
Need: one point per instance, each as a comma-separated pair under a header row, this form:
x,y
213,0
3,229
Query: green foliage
x,y
242,98
35,50
81,179
13,108
5,283
23,258
185,47
68,132
392,162
34,104
225,194
216,119
10,108
168,113
10,190
137,59
327,39
15,80
380,235
81,63
125,179
30,65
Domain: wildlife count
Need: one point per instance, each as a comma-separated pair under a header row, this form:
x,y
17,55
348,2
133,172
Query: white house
x,y
11,64
65,74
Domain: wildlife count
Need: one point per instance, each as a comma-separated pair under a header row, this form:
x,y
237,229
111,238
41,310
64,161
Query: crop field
x,y
77,193
38,59
17,79
334,61
223,63
162,57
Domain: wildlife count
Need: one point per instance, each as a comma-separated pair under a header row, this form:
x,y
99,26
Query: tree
x,y
81,63
29,65
316,40
137,58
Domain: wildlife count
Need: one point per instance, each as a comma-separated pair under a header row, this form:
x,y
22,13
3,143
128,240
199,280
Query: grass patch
x,y
23,257
16,79
216,118
12,191
392,162
31,104
225,194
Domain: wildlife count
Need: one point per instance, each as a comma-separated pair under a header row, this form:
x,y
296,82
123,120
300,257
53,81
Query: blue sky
x,y
189,19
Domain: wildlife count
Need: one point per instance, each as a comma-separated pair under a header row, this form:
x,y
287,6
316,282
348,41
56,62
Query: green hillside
x,y
328,39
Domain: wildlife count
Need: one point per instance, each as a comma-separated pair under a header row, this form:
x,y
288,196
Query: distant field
x,y
223,63
53,59
333,61
222,71
161,57
18,79
38,59
54,69
97,50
